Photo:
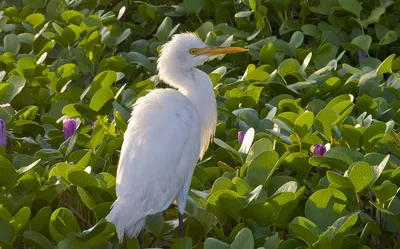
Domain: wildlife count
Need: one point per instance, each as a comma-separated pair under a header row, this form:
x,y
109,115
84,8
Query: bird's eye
x,y
192,51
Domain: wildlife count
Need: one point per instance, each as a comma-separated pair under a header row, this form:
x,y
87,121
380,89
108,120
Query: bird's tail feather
x,y
125,220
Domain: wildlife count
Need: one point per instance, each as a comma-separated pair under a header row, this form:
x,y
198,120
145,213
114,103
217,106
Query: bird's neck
x,y
198,88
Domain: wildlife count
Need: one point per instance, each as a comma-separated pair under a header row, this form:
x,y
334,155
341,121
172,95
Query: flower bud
x,y
318,149
69,127
3,136
240,137
361,55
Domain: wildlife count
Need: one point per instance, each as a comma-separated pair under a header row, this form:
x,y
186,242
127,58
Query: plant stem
x,y
358,198
77,213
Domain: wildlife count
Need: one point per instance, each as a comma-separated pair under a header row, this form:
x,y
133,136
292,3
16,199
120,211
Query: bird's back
x,y
160,150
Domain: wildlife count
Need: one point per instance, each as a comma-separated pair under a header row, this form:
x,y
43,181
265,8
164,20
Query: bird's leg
x,y
180,235
140,239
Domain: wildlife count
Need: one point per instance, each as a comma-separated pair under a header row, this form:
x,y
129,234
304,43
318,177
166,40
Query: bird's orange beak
x,y
213,51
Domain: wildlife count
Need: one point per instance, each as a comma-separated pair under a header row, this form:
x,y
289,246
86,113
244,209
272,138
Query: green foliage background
x,y
304,81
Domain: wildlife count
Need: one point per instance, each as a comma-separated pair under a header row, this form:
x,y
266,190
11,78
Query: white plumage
x,y
169,130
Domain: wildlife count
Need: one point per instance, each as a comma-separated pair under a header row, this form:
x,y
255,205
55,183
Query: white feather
x,y
169,130
158,156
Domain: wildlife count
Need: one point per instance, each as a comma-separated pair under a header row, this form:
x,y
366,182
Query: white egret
x,y
169,130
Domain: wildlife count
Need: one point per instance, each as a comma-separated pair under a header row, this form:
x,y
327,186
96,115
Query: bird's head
x,y
187,51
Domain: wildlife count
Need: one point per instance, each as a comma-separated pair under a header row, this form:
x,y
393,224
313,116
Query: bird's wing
x,y
160,150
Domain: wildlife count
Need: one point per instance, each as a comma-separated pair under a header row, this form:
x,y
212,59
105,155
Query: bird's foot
x,y
180,234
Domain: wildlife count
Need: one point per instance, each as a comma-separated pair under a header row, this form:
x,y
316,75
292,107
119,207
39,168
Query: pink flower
x,y
69,126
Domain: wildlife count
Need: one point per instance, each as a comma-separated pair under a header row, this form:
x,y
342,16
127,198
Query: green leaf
x,y
212,243
324,55
81,178
234,153
21,218
41,220
193,6
342,227
122,37
386,65
8,174
253,5
267,54
243,14
8,233
220,184
100,98
297,162
303,233
390,37
4,214
7,205
375,15
288,66
311,30
303,124
378,169
339,180
98,234
35,19
325,206
204,29
86,198
361,42
325,7
295,41
72,242
361,175
231,205
72,16
287,204
261,166
62,224
11,43
365,103
386,192
214,207
22,170
260,146
72,33
305,229
139,59
324,120
372,135
17,84
243,240
328,162
182,243
329,86
37,240
352,6
164,29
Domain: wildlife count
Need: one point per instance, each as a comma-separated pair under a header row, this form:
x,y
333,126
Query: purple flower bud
x,y
69,127
361,55
318,149
240,137
92,125
3,136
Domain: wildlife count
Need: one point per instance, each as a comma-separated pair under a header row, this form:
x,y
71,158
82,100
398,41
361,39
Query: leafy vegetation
x,y
317,96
